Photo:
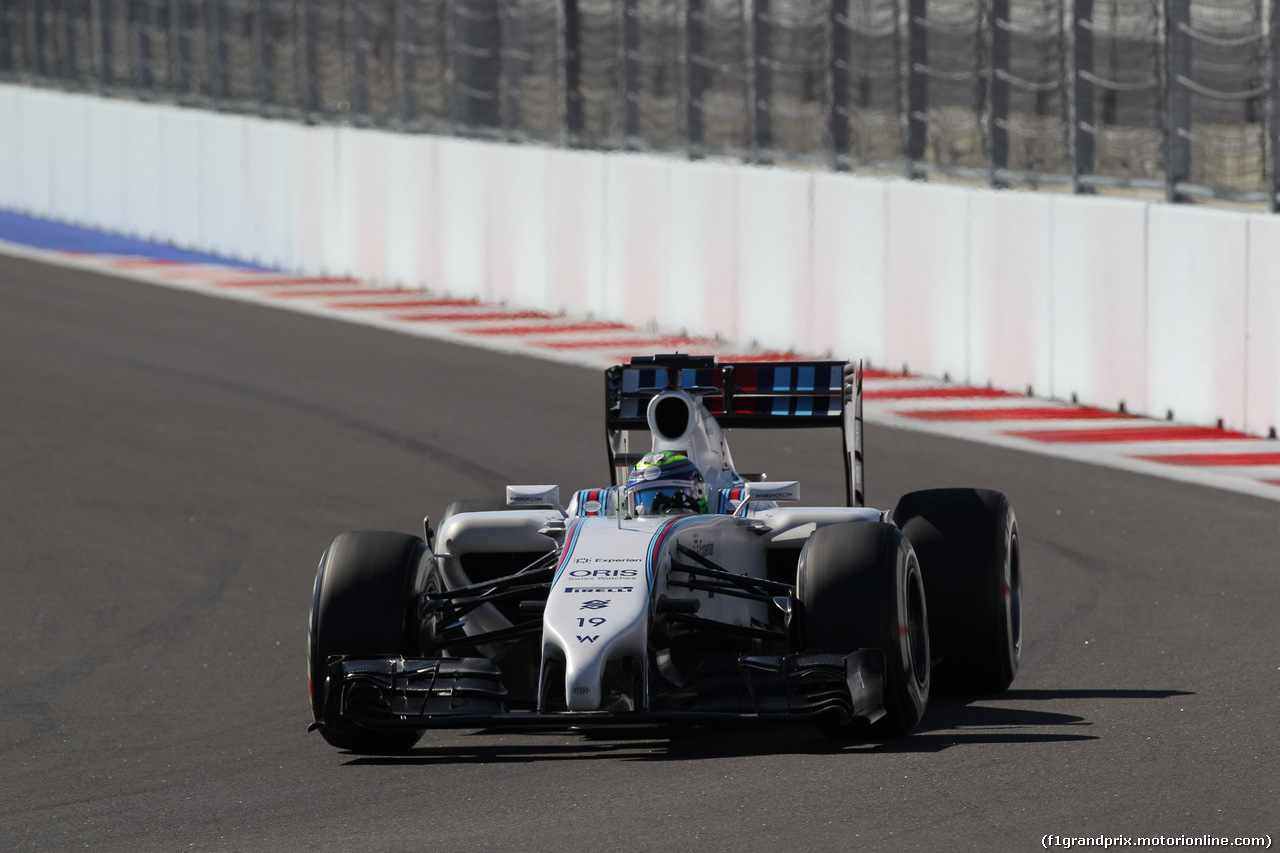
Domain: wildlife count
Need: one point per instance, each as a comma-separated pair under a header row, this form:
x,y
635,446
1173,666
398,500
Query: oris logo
x,y
603,573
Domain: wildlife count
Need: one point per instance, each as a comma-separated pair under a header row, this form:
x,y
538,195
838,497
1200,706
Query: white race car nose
x,y
598,607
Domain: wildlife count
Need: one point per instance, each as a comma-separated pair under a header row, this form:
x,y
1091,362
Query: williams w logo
x,y
592,639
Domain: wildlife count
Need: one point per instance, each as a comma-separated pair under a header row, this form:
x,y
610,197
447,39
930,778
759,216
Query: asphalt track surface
x,y
172,466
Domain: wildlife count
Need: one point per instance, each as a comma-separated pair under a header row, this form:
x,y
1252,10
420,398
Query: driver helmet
x,y
665,483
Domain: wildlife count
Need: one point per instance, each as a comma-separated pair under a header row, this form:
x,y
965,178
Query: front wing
x,y
401,693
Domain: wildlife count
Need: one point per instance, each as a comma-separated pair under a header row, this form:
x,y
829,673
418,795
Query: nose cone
x,y
598,608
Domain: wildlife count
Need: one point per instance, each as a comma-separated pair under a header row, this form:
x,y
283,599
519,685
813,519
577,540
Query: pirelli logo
x,y
598,589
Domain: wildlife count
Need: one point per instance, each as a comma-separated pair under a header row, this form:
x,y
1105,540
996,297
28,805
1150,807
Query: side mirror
x,y
535,497
782,490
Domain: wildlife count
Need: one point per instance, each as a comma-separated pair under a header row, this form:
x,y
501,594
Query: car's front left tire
x,y
859,587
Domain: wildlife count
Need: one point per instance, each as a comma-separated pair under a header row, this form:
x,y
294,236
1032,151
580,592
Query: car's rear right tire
x,y
859,586
967,542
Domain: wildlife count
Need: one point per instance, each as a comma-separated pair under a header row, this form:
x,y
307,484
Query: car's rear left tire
x,y
361,607
859,586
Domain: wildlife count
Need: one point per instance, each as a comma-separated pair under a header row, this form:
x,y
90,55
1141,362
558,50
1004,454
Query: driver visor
x,y
663,499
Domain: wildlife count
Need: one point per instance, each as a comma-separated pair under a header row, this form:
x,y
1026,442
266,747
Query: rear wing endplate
x,y
789,395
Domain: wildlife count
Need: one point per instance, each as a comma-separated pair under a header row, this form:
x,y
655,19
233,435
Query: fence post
x,y
476,62
141,23
510,26
838,77
310,63
219,72
35,38
917,83
997,90
263,47
1177,95
143,79
760,86
1081,127
628,82
358,84
1272,144
102,67
68,43
572,73
694,81
6,39
406,26
180,50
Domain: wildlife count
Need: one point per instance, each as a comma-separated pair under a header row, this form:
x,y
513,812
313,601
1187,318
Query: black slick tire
x,y
967,542
360,606
859,587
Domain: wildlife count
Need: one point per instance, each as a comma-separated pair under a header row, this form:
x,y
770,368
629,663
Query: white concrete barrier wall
x,y
219,202
775,259
635,253
1156,307
700,237
927,279
11,126
104,187
1197,298
1010,339
67,183
37,123
1262,356
850,251
1098,264
145,153
575,221
515,227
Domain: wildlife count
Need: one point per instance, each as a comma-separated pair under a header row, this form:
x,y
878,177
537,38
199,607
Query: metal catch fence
x,y
1179,96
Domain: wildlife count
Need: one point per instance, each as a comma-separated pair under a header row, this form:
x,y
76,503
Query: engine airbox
x,y
671,416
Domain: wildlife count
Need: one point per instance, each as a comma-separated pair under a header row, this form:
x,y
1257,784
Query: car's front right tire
x,y
361,607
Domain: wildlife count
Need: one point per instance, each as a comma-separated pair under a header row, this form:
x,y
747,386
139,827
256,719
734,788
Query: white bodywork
x,y
598,609
612,571
702,441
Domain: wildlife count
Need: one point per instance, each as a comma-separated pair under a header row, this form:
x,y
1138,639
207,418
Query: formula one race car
x,y
681,593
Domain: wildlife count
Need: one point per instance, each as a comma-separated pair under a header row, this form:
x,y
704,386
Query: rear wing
x,y
790,395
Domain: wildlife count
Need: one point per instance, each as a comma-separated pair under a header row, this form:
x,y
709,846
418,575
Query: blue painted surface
x,y
43,234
